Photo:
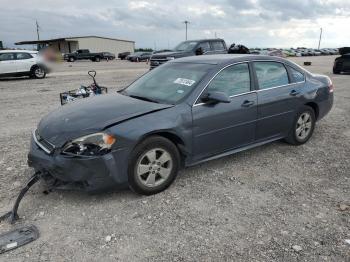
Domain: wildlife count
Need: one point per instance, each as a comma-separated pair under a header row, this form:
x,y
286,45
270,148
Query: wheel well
x,y
176,140
33,67
314,106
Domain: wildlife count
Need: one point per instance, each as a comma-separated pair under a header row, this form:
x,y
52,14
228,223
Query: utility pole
x,y
37,32
319,42
186,23
37,29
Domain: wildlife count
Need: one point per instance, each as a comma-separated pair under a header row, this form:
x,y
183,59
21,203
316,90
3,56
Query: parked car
x,y
22,63
190,48
185,112
139,56
108,56
122,56
342,63
83,54
317,52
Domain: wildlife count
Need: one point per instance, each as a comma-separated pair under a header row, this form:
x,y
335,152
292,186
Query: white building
x,y
93,43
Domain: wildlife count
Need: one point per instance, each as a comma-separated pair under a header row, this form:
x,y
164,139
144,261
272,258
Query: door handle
x,y
294,92
247,103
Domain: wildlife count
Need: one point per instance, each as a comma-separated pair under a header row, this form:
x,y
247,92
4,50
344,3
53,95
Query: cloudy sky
x,y
255,23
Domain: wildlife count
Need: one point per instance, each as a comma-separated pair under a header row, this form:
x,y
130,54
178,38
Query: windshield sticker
x,y
180,91
185,82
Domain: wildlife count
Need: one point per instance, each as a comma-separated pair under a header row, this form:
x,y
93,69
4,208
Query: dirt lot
x,y
252,206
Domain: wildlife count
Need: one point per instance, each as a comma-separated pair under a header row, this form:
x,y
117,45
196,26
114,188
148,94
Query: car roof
x,y
225,59
18,51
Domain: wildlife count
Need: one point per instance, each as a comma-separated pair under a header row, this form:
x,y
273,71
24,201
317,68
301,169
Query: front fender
x,y
176,121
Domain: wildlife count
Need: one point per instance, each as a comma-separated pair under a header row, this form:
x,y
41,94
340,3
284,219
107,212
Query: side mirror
x,y
216,97
199,51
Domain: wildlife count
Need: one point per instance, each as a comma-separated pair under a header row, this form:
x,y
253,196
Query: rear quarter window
x,y
296,76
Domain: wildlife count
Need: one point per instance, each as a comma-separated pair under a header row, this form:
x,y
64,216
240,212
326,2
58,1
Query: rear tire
x,y
38,72
303,126
336,72
97,59
71,59
153,165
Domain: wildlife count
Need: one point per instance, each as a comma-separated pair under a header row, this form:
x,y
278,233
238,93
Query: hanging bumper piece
x,y
12,215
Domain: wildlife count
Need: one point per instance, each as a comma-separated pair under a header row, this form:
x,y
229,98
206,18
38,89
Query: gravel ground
x,y
272,203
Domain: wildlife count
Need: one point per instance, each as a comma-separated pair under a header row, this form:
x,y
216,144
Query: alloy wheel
x,y
39,72
304,126
154,167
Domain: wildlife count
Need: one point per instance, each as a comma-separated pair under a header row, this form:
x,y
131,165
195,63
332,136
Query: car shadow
x,y
7,79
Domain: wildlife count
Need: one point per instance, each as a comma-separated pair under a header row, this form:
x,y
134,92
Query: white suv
x,y
22,63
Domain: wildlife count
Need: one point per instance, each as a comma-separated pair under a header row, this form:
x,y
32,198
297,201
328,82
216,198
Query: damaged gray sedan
x,y
182,113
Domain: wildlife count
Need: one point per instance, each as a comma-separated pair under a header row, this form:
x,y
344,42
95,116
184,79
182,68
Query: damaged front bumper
x,y
93,174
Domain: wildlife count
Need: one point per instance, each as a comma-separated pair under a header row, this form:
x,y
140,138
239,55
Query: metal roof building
x,y
93,43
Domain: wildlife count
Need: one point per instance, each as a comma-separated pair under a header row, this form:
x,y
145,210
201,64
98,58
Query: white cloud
x,y
159,22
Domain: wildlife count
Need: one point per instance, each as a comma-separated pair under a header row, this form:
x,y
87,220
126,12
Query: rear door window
x,y
22,56
271,74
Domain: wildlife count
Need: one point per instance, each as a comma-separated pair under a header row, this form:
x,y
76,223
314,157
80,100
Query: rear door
x,y
223,126
278,99
8,63
24,61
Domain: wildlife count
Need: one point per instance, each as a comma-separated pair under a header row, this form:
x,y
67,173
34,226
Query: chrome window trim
x,y
246,93
211,79
253,91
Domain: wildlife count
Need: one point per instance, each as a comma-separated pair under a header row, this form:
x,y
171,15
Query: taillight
x,y
330,85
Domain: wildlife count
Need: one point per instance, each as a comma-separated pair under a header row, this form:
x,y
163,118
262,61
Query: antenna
x,y
186,23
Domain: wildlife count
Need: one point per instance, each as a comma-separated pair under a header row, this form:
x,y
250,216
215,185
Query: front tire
x,y
153,165
303,126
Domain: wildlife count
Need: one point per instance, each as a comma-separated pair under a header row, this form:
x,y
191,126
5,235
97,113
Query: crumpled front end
x,y
88,173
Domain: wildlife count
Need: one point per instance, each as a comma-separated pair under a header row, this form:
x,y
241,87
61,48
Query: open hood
x,y
90,115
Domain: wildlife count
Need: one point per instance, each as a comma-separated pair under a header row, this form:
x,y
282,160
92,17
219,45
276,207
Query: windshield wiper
x,y
144,98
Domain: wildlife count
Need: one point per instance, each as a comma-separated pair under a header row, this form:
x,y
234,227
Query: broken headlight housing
x,y
91,145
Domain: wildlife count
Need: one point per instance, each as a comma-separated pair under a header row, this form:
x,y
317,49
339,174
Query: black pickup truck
x,y
190,48
342,63
81,54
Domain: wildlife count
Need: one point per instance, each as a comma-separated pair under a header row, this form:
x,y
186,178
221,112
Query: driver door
x,y
222,127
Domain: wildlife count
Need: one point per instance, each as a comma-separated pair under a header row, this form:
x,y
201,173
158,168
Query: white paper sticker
x,y
11,245
185,82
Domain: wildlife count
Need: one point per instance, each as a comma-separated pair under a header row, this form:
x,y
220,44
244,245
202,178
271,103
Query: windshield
x,y
185,46
168,83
